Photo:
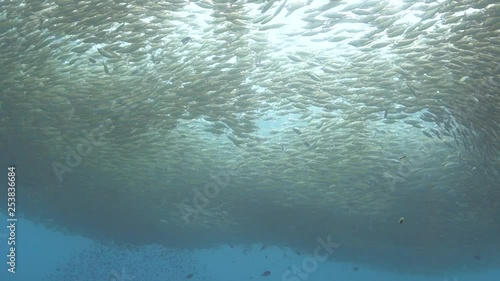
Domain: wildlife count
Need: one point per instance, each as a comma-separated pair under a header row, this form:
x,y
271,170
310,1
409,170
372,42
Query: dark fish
x,y
263,247
307,144
296,130
447,125
412,91
355,268
404,74
189,276
401,220
92,60
385,113
478,257
266,273
427,134
106,69
185,40
449,144
402,157
231,245
436,132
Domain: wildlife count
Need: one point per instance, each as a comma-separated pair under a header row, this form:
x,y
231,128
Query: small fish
x,y
189,276
266,273
108,54
355,268
186,40
267,6
386,112
427,134
92,60
436,132
258,62
448,144
119,28
402,157
401,220
263,247
231,245
412,91
297,131
477,257
106,69
279,8
307,144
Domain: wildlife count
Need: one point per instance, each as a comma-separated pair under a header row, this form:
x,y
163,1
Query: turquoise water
x,y
44,255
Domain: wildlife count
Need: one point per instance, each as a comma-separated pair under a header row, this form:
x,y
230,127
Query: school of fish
x,y
193,123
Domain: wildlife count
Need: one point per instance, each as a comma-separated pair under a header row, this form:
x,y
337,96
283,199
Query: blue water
x,y
43,254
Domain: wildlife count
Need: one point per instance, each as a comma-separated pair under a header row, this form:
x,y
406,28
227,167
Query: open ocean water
x,y
222,140
47,255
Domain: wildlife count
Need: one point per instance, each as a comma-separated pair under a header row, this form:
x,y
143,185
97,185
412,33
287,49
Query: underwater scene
x,y
226,140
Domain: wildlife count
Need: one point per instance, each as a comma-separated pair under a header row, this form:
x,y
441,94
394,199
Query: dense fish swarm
x,y
112,263
194,123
